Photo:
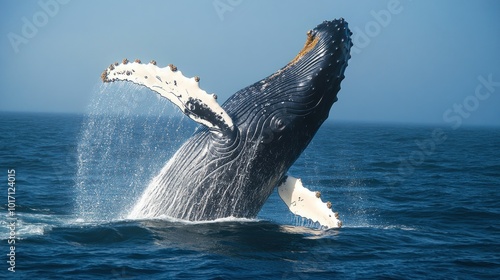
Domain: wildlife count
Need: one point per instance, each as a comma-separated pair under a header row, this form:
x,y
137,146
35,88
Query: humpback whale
x,y
231,165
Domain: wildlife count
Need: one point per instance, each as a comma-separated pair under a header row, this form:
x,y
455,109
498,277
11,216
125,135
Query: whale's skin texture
x,y
232,173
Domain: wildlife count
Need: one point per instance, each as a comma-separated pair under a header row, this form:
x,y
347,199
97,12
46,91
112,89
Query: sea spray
x,y
126,138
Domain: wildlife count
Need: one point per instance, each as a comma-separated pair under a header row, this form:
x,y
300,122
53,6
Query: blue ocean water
x,y
415,201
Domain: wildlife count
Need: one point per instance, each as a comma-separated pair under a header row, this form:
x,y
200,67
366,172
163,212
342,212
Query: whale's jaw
x,y
303,91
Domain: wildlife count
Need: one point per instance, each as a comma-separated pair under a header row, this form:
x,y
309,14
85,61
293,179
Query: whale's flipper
x,y
307,204
180,90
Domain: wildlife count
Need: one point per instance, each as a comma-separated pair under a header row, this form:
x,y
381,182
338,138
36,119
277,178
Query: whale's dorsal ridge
x,y
182,91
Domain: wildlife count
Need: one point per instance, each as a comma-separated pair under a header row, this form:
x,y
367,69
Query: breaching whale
x,y
231,166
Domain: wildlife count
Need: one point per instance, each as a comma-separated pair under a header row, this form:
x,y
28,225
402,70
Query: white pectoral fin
x,y
184,92
307,204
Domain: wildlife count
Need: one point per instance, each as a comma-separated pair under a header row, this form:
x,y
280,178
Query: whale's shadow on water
x,y
233,238
175,247
229,238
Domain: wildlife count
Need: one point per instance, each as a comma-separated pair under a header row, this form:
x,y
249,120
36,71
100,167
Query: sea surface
x,y
417,202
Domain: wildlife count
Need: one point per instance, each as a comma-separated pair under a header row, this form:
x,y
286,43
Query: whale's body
x,y
230,169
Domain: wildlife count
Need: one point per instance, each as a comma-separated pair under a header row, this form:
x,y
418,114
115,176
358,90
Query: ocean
x,y
416,201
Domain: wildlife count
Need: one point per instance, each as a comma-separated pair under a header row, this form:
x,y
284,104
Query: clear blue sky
x,y
422,62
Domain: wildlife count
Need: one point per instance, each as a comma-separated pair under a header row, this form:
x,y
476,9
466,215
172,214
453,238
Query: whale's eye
x,y
280,124
191,106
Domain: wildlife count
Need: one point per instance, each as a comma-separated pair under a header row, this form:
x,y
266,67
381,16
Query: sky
x,y
425,61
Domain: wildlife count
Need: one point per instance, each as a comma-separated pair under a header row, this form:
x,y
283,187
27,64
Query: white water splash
x,y
127,136
187,222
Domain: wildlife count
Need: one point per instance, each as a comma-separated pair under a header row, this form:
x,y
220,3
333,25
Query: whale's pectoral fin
x,y
307,204
180,90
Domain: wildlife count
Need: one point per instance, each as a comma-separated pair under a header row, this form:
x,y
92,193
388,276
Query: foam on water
x,y
215,221
29,224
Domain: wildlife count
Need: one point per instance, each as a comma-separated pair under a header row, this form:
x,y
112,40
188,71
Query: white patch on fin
x,y
169,82
307,204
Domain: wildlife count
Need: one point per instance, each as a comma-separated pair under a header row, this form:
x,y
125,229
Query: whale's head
x,y
276,118
292,103
315,74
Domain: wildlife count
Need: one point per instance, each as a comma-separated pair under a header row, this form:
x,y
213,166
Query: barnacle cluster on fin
x,y
169,82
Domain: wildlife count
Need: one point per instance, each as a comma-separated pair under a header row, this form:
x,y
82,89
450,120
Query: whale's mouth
x,y
311,41
321,62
